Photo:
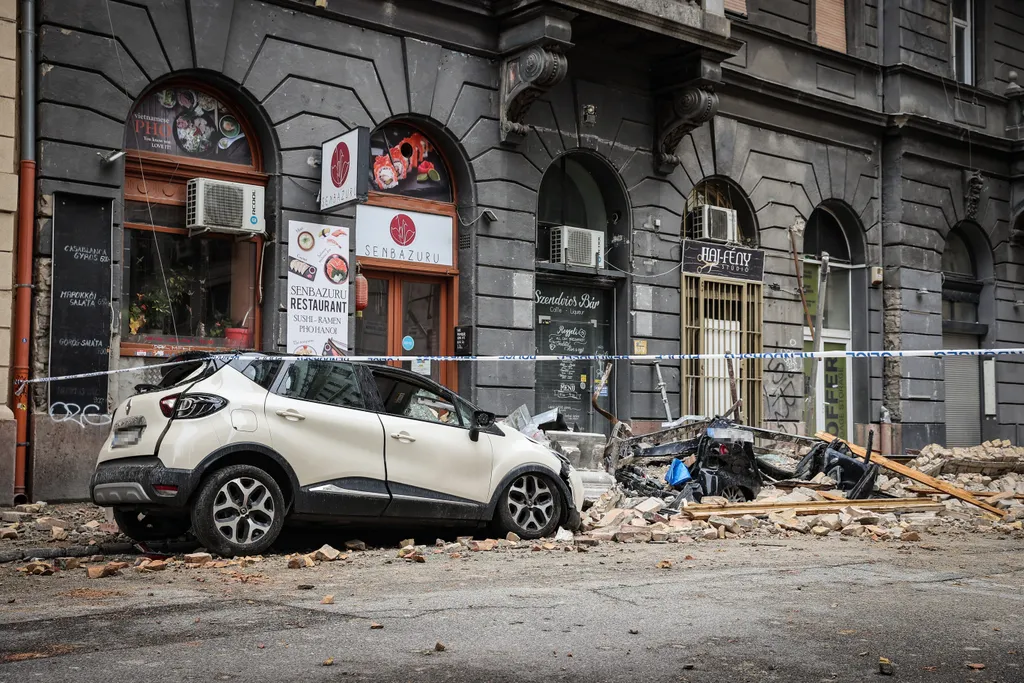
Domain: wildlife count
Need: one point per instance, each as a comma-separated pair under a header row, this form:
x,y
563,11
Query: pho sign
x,y
344,176
723,260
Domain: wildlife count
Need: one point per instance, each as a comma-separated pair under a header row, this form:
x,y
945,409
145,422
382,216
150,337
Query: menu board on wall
x,y
80,302
571,321
318,284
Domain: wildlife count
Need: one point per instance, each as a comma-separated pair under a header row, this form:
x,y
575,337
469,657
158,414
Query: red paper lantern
x,y
362,294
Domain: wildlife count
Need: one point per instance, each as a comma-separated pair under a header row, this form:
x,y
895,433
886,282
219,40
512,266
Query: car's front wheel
x,y
531,506
239,511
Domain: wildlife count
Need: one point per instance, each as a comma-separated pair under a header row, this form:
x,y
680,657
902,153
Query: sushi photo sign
x,y
344,176
318,289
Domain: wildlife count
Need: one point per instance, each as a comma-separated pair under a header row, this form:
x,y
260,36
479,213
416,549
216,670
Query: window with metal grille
x,y
721,316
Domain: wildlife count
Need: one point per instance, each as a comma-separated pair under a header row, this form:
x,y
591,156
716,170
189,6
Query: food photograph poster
x,y
318,285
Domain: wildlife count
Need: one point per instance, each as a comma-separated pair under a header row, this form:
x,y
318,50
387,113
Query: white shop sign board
x,y
405,236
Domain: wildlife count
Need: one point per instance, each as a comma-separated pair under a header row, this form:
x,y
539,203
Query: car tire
x,y
239,511
531,506
143,526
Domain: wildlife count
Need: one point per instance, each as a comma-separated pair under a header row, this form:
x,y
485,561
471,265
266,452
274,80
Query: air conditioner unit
x,y
219,206
714,223
577,247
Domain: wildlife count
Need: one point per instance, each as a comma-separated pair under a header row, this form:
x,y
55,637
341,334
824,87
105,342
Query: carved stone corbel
x,y
973,185
679,112
526,76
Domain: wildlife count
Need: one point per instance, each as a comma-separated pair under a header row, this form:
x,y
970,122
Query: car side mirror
x,y
481,420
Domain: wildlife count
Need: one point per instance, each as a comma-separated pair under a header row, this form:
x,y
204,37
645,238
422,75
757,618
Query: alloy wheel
x,y
531,502
243,510
733,494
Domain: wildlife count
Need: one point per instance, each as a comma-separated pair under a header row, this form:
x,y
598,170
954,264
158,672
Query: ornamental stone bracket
x,y
533,42
526,76
686,101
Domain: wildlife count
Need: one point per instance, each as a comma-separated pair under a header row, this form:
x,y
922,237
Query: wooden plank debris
x,y
920,477
812,507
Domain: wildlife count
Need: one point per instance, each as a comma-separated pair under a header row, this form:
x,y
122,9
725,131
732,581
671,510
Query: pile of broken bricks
x,y
616,518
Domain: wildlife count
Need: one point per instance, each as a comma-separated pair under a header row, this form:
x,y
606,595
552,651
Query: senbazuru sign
x,y
343,169
318,284
407,236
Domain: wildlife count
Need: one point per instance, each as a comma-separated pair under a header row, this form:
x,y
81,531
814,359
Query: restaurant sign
x,y
722,260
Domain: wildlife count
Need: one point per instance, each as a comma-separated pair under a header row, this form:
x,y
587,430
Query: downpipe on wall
x,y
26,213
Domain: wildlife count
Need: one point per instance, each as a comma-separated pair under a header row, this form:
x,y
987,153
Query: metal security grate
x,y
222,205
721,316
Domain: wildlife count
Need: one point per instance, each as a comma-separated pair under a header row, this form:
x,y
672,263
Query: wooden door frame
x,y
448,373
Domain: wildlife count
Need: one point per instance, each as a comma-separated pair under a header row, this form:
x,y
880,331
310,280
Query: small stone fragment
x,y
563,535
709,534
910,536
483,546
7,533
886,667
407,542
439,647
198,558
58,534
355,544
821,531
664,564
329,661
38,568
975,666
327,600
374,626
513,537
326,554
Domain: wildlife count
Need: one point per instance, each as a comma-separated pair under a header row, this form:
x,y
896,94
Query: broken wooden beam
x,y
811,507
920,477
987,496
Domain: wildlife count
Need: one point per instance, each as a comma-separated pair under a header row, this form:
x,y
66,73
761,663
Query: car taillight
x,y
167,404
190,406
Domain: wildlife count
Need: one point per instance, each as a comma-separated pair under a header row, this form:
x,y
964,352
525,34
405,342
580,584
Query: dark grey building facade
x,y
885,134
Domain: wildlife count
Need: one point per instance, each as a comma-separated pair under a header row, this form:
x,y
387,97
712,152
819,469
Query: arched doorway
x,y
830,405
722,308
965,264
193,224
582,264
405,247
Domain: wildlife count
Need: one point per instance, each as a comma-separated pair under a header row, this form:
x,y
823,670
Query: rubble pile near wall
x,y
42,525
992,459
617,517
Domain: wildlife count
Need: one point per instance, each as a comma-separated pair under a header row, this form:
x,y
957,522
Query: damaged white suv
x,y
231,447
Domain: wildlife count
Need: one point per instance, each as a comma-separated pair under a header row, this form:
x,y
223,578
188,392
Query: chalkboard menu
x,y
80,302
571,321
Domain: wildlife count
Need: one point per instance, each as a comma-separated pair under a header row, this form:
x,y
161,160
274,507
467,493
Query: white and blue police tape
x,y
647,358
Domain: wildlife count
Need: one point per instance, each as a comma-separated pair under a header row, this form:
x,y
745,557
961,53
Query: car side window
x,y
323,381
402,398
261,371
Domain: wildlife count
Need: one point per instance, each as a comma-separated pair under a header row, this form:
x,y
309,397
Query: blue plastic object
x,y
677,473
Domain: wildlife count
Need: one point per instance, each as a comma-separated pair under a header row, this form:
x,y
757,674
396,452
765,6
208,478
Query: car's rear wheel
x,y
531,506
146,526
239,511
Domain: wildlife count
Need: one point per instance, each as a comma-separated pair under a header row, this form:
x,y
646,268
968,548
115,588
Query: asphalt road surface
x,y
796,609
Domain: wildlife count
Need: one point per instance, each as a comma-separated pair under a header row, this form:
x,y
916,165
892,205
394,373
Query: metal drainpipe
x,y
26,213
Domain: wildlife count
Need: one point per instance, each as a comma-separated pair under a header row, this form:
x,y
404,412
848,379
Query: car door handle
x,y
403,437
291,414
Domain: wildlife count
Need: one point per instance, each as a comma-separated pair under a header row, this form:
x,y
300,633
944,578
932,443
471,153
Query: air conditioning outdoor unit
x,y
219,206
714,223
577,247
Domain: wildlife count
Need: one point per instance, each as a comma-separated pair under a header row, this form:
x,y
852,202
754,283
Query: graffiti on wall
x,y
84,416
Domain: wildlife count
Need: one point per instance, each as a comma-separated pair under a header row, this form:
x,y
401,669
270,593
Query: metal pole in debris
x,y
737,402
819,321
664,394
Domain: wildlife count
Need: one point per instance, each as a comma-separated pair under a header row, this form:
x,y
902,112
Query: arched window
x,y
406,162
723,194
830,404
188,288
582,219
963,328
405,247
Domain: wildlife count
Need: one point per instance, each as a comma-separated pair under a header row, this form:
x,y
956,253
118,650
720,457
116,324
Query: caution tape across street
x,y
539,358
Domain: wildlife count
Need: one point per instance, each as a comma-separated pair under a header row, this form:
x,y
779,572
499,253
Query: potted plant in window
x,y
239,336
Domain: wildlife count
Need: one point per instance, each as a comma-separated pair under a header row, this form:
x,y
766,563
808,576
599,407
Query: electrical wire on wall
x,y
149,206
